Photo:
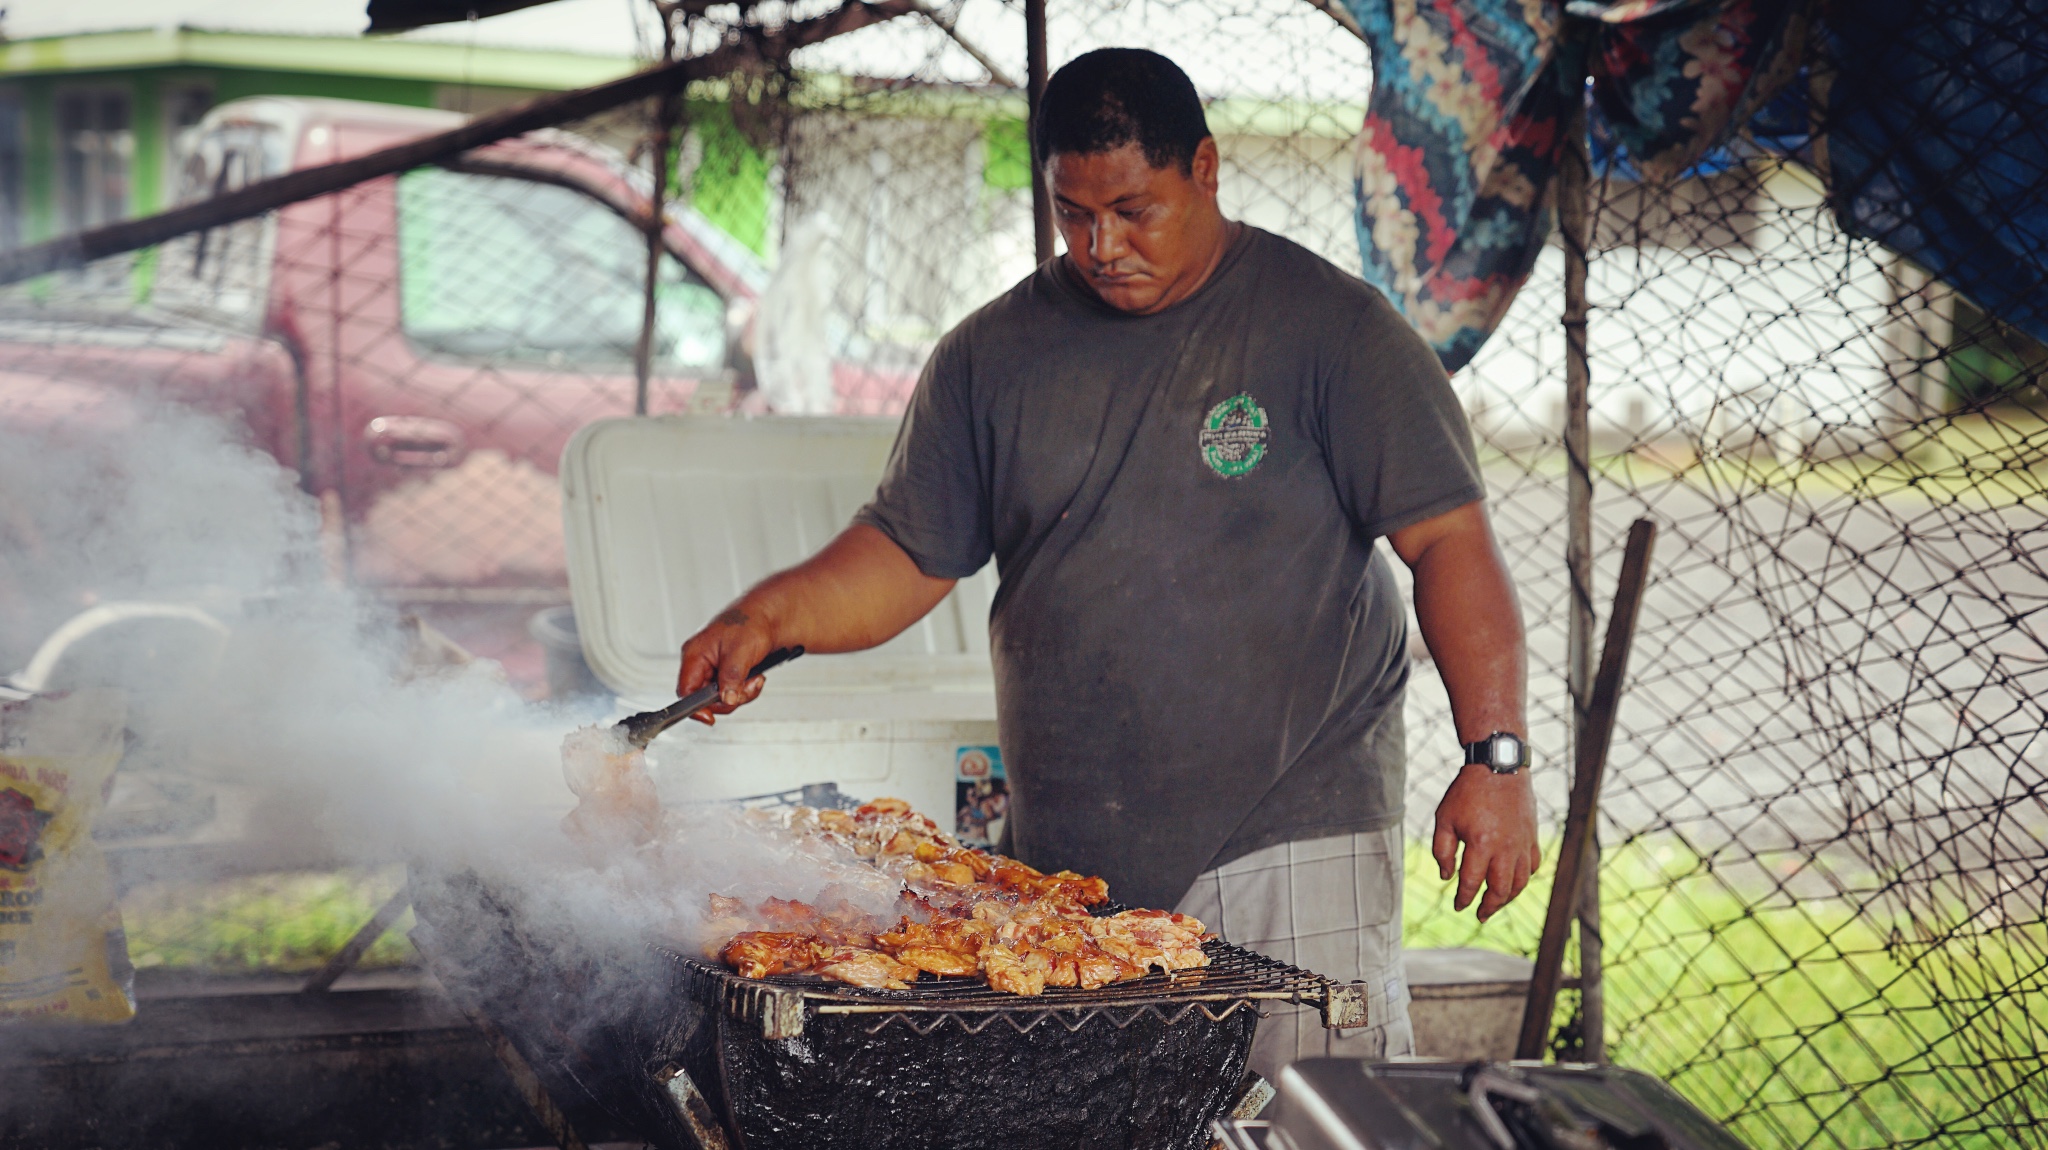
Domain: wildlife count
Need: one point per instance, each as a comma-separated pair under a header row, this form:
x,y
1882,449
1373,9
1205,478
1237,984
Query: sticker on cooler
x,y
982,796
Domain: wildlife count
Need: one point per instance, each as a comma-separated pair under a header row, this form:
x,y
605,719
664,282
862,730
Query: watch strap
x,y
1488,752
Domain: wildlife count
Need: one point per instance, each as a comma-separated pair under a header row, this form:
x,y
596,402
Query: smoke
x,y
308,700
346,749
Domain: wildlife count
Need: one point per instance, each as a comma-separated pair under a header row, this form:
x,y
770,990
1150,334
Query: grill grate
x,y
1234,979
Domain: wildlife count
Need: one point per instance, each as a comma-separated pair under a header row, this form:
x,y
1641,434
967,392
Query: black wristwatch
x,y
1501,752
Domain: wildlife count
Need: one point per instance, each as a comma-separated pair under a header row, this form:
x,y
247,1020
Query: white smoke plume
x,y
311,704
307,697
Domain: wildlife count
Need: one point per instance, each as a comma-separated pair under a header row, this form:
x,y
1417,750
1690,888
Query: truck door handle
x,y
415,441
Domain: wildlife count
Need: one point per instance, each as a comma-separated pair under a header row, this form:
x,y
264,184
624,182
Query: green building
x,y
89,123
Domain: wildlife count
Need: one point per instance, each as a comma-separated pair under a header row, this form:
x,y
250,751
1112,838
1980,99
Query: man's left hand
x,y
1494,818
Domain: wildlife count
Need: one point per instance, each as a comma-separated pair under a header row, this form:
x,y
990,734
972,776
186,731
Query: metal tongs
x,y
639,730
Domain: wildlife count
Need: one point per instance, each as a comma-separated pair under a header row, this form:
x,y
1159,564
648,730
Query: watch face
x,y
1507,751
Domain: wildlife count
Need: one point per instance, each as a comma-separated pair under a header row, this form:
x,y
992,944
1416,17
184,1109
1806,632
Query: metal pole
x,y
1576,855
1574,172
1034,89
359,943
657,217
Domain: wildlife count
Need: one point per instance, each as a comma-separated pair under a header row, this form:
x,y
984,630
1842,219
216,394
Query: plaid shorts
x,y
1330,905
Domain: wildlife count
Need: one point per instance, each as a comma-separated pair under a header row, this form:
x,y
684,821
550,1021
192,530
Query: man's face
x,y
1143,238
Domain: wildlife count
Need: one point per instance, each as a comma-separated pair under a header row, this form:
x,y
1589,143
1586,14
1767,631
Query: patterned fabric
x,y
1470,97
1330,905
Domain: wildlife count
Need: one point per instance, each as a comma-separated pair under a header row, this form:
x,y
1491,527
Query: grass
x,y
1800,1022
1984,461
271,922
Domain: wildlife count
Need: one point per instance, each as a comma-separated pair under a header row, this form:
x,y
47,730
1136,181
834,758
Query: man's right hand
x,y
725,650
860,591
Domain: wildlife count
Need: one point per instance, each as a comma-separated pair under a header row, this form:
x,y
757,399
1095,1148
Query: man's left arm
x,y
1473,625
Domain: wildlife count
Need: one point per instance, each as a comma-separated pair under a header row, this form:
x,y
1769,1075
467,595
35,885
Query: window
x,y
221,273
184,106
96,144
12,210
510,269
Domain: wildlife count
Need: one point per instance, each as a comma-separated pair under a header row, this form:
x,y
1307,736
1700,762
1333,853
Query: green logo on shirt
x,y
1234,436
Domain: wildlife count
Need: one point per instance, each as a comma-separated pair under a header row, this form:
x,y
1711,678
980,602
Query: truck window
x,y
507,269
222,274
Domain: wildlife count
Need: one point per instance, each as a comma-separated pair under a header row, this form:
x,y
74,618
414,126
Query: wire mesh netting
x,y
1825,869
1825,822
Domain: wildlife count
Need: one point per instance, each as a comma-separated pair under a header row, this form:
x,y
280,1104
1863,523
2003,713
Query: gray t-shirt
x,y
1198,650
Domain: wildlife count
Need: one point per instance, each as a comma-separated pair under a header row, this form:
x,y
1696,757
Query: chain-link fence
x,y
1824,863
1822,889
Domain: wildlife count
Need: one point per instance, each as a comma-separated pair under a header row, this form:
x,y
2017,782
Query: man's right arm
x,y
860,591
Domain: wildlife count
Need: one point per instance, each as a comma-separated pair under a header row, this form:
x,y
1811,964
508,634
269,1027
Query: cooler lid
x,y
669,518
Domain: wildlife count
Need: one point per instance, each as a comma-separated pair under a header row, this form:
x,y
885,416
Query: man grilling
x,y
1180,442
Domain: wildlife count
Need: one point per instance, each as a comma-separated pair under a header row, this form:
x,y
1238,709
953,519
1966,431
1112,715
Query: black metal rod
x,y
359,943
1574,182
739,51
528,1083
665,115
1574,857
1035,70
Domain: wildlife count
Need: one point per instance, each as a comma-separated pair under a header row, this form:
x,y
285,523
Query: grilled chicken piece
x,y
1098,969
1066,886
1012,973
936,960
1084,889
616,807
762,953
963,911
719,931
868,968
1066,964
847,925
725,906
1147,955
962,935
1186,925
1170,941
788,913
945,873
907,933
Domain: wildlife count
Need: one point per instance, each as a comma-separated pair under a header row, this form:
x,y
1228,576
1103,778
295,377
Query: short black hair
x,y
1110,97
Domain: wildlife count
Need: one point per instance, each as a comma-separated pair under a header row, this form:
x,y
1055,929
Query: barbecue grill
x,y
696,1056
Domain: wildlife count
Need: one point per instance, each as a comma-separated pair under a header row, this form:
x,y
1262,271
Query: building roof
x,y
476,65
338,55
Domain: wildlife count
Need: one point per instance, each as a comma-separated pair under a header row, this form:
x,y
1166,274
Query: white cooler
x,y
669,519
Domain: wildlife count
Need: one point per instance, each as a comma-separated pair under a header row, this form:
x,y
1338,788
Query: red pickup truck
x,y
418,349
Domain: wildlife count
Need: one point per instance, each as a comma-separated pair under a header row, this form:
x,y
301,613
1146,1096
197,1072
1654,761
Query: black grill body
x,y
1137,1075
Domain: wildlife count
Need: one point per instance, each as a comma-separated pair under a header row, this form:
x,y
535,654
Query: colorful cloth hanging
x,y
1458,154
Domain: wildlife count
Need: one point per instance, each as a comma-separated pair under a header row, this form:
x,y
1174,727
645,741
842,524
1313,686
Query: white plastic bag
x,y
63,957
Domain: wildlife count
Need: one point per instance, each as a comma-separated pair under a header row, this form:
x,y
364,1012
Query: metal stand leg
x,y
693,1110
360,942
